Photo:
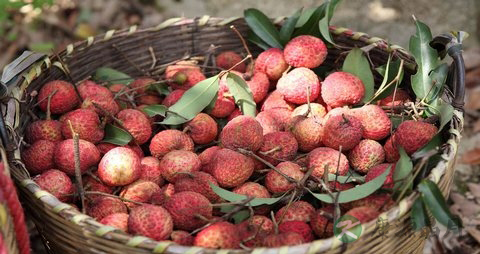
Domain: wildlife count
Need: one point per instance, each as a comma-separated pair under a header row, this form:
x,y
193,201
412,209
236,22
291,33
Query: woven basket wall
x,y
68,231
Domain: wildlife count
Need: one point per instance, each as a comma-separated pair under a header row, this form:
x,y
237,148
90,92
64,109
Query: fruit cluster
x,y
159,185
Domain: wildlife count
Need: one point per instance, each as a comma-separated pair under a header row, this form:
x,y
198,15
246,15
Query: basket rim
x,y
68,213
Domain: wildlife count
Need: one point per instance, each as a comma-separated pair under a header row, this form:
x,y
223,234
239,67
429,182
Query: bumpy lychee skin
x,y
364,213
166,192
375,171
171,70
365,155
175,163
337,112
169,140
268,123
299,227
119,166
397,98
116,220
299,85
381,202
220,235
342,89
185,206
225,104
231,168
198,182
50,130
228,59
181,237
151,221
343,132
39,157
320,224
141,85
242,132
173,97
85,123
105,106
64,99
278,146
305,51
140,191
137,124
151,170
187,78
308,132
282,117
202,129
235,113
57,183
276,100
252,189
298,211
283,239
326,160
254,229
103,206
95,184
89,88
376,123
259,85
206,158
316,110
272,63
391,151
65,158
148,99
277,183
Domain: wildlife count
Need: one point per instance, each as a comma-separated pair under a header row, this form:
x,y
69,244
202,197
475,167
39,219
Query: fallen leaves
x,y
472,157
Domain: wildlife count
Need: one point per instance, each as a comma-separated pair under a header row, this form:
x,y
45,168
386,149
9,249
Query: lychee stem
x,y
275,225
267,163
78,173
186,129
290,201
116,120
49,114
244,45
277,148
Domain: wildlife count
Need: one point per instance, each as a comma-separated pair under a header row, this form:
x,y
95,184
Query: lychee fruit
x,y
299,86
365,155
119,166
89,88
63,100
228,59
277,183
166,192
327,160
272,63
198,182
137,124
278,146
299,227
253,230
375,171
395,99
381,202
141,85
93,183
364,213
173,97
101,207
220,235
308,132
169,140
305,51
268,123
236,112
206,158
252,189
391,152
342,132
85,123
39,157
276,100
177,163
187,78
297,211
376,123
148,99
56,183
116,220
283,239
181,237
342,89
224,104
151,221
50,130
65,156
242,132
336,112
151,170
259,86
186,208
103,106
231,168
316,110
281,115
140,191
321,224
202,129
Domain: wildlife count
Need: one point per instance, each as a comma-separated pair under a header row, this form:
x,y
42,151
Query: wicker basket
x,y
68,231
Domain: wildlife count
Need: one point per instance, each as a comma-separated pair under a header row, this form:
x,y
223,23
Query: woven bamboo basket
x,y
66,230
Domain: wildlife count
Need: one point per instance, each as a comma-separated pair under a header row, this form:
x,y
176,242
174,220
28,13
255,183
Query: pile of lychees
x,y
159,184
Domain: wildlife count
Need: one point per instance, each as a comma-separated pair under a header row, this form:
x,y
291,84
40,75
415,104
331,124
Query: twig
x,y
288,206
78,173
49,113
154,58
267,163
243,42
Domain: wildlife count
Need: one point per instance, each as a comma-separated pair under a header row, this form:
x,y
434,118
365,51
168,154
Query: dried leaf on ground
x,y
471,157
473,99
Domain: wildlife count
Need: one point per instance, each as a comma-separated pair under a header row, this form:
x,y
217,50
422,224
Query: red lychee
x,y
281,115
395,99
283,239
119,166
365,155
272,63
182,237
278,146
101,207
228,59
85,123
342,89
268,123
151,170
316,110
326,160
50,130
252,189
64,99
253,230
93,183
259,86
57,183
198,182
376,123
151,221
206,158
116,220
166,192
220,235
173,97
297,211
187,78
65,156
148,99
364,213
336,112
308,132
169,140
185,208
321,224
299,85
224,104
299,227
375,171
141,85
202,129
140,191
177,162
89,88
276,100
231,168
242,132
39,156
277,183
305,51
103,106
137,124
342,132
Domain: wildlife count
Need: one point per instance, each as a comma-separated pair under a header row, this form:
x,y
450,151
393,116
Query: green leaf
x,y
288,27
426,58
252,37
434,143
111,76
44,47
153,110
357,64
438,77
324,22
435,202
305,16
240,216
359,192
446,114
263,27
310,27
403,168
419,215
193,101
242,94
393,71
234,197
115,135
160,88
346,179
